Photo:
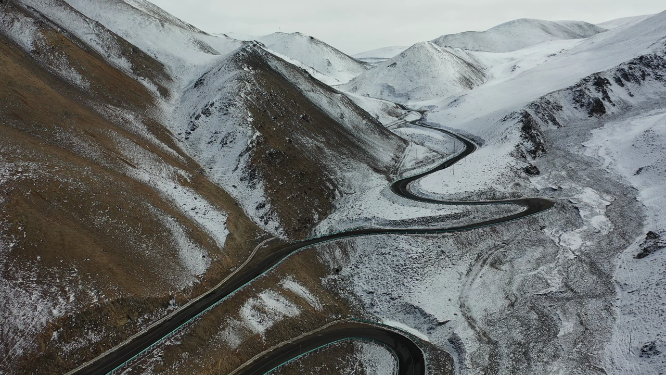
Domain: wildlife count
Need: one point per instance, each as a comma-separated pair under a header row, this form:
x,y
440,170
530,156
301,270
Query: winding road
x,y
410,357
408,354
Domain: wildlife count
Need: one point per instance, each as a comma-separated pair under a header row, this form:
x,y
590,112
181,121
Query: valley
x,y
173,201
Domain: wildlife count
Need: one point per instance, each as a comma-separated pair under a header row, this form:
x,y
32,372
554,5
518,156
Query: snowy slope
x,y
380,55
384,111
95,35
424,71
517,34
159,13
185,50
478,109
315,54
501,66
623,22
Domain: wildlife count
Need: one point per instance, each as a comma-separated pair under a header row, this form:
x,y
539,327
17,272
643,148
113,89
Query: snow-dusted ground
x,y
384,111
301,291
489,167
149,170
376,359
26,306
633,148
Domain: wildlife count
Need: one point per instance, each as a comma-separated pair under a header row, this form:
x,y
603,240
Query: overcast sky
x,y
355,26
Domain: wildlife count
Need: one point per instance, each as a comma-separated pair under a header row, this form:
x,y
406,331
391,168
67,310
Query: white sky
x,y
355,26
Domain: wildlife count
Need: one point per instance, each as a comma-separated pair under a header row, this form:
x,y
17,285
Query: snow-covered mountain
x,y
424,71
576,111
577,120
297,127
143,160
321,60
454,64
518,34
562,68
158,156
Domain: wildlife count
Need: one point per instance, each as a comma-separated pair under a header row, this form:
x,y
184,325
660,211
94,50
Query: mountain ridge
x,y
518,34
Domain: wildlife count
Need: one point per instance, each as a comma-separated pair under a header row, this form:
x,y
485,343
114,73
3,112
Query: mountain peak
x,y
320,59
423,71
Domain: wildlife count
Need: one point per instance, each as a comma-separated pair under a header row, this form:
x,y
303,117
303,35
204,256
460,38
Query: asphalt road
x,y
412,363
409,355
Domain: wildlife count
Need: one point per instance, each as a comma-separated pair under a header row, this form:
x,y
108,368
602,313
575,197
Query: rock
x,y
652,243
532,170
649,350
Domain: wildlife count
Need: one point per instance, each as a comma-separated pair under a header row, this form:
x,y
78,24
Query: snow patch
x,y
301,291
191,255
406,328
164,178
376,359
261,313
